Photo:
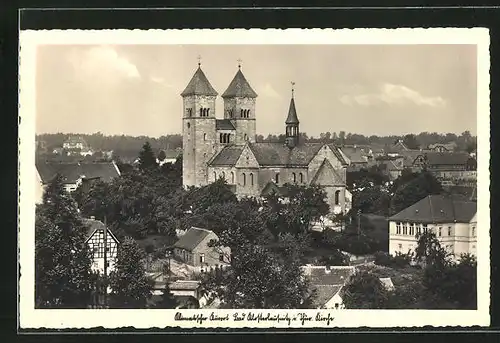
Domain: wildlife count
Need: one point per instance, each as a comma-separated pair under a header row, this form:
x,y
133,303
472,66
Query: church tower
x,y
239,107
198,129
292,124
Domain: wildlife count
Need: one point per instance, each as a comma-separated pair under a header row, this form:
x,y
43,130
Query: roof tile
x,y
239,87
199,85
192,238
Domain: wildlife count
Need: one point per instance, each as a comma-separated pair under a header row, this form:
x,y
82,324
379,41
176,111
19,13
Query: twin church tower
x,y
204,136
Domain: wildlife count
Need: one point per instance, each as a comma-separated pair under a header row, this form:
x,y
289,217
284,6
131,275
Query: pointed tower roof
x,y
239,87
292,114
199,85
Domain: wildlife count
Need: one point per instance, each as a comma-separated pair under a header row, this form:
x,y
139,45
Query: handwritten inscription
x,y
258,317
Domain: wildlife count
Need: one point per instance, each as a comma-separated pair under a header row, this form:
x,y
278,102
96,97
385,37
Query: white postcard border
x,y
58,319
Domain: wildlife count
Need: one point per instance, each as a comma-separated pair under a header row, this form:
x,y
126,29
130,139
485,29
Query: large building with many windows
x,y
216,148
452,219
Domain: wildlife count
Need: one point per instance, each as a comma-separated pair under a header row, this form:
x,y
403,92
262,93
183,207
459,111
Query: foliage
x,y
375,200
63,276
130,287
364,291
411,142
398,261
409,193
366,177
260,278
147,159
167,298
335,258
162,155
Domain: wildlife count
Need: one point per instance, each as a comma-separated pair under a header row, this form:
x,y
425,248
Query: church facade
x,y
226,148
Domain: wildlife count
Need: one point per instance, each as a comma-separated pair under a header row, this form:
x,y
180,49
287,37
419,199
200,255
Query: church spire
x,y
292,123
199,84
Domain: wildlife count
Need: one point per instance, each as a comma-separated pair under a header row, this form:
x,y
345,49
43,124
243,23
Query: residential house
x,y
74,174
187,293
452,219
454,167
193,248
327,282
357,157
443,147
95,240
171,156
76,145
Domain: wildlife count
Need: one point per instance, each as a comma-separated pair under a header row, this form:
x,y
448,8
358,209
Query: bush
x,y
383,259
336,258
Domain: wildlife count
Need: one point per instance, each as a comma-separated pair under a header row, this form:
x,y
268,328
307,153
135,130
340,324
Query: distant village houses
x,y
74,174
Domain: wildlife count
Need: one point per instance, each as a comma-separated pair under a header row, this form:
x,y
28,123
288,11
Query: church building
x,y
226,148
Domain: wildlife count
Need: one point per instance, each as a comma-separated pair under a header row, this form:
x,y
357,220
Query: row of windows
x,y
244,177
224,138
203,112
292,130
202,258
413,229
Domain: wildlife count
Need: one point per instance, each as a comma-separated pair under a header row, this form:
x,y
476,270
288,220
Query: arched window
x,y
188,125
337,197
244,179
245,137
294,177
241,113
201,112
232,177
208,112
251,179
220,137
301,177
204,136
215,176
277,178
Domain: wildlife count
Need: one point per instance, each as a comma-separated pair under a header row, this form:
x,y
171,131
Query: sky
x,y
365,89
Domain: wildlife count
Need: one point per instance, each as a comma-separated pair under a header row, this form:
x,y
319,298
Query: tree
x,y
63,276
130,287
167,298
162,155
407,194
260,279
147,159
411,142
364,291
199,199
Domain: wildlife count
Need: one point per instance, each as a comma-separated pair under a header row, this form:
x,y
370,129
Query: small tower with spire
x,y
239,107
198,128
292,123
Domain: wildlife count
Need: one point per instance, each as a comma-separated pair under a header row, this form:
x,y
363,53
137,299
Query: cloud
x,y
269,91
393,95
101,62
161,81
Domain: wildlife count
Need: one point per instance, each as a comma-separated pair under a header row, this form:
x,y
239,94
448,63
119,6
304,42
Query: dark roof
x,y
336,276
228,156
199,85
192,238
224,124
239,87
93,225
292,114
72,171
438,209
447,158
355,155
324,293
278,154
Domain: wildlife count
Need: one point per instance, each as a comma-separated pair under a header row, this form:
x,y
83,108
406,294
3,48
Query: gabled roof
x,y
192,238
438,209
224,124
272,187
93,225
326,175
355,155
73,171
228,156
335,276
447,158
199,85
239,87
292,114
324,293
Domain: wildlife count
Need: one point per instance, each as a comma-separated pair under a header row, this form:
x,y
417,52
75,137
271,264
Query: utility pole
x,y
105,263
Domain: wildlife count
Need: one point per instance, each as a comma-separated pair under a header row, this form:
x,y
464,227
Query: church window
x,y
244,179
294,177
241,113
204,136
188,125
215,176
277,178
245,137
301,177
201,112
232,177
251,179
208,112
337,197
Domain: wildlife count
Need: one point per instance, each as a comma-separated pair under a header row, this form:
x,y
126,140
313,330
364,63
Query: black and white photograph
x,y
254,178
